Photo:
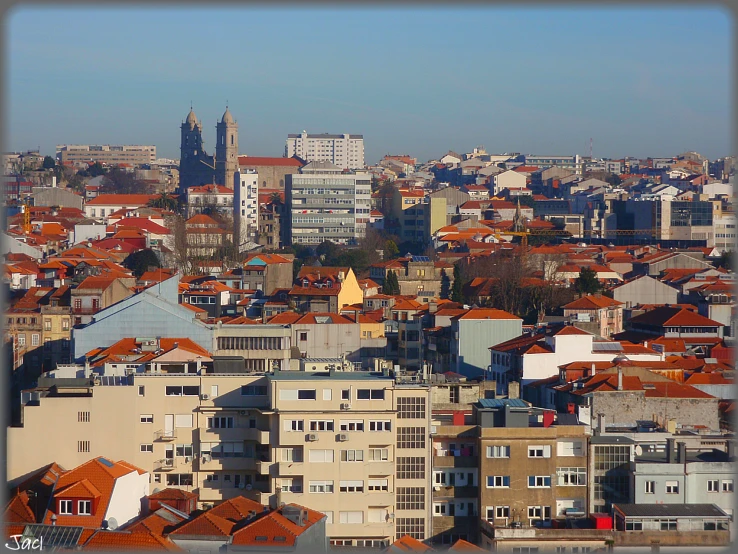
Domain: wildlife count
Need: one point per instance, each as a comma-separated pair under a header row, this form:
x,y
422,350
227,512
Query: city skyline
x,y
418,81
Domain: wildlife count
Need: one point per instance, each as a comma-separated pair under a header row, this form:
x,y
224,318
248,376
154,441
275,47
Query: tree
x,y
142,261
726,260
275,198
390,249
386,192
445,285
165,202
457,294
180,247
76,183
587,282
118,181
94,170
49,163
327,251
391,284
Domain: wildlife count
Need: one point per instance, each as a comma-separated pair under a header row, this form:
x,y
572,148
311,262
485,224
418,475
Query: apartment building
x,y
574,163
353,445
106,153
663,219
324,203
346,151
246,206
533,468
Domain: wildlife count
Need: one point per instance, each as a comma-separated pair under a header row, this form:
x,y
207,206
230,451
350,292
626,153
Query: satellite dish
x,y
638,450
249,487
112,523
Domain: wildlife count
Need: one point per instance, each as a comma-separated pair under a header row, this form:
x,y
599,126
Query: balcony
x,y
235,463
234,434
166,464
85,311
446,491
264,468
165,436
291,468
443,459
262,437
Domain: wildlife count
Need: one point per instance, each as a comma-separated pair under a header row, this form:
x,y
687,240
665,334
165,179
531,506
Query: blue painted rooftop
x,y
502,402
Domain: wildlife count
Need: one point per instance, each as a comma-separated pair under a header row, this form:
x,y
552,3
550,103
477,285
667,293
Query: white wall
x,y
125,500
85,232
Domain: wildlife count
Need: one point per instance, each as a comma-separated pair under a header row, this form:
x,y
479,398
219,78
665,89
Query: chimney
x,y
670,450
601,423
681,453
513,389
620,378
594,370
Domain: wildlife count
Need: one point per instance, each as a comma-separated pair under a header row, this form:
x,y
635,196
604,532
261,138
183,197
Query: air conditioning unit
x,y
345,406
169,462
206,458
204,397
343,437
391,517
312,437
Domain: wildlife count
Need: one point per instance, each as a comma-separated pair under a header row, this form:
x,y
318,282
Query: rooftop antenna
x,y
590,148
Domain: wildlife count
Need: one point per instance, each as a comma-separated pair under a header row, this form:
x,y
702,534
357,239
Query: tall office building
x,y
246,207
345,151
324,203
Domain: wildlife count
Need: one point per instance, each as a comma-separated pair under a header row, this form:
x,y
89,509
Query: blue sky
x,y
418,81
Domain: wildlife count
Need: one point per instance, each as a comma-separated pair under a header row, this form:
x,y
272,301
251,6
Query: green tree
x,y
587,282
142,261
49,163
390,249
445,285
457,290
94,170
726,260
165,202
328,251
391,284
76,183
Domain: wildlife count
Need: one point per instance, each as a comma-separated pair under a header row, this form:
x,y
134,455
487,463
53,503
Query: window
x,y
539,512
83,446
346,394
322,487
179,479
83,417
147,448
351,425
220,422
291,485
378,454
253,390
294,425
411,408
498,481
47,325
293,454
498,451
141,390
538,481
633,525
410,468
65,324
351,517
539,451
668,524
380,425
352,455
728,485
84,507
351,486
713,485
327,394
524,549
147,418
502,512
571,476
183,450
65,507
378,485
182,391
569,448
21,340
370,394
34,340
650,487
411,526
320,456
321,425
672,487
410,498
183,421
307,394
303,336
411,437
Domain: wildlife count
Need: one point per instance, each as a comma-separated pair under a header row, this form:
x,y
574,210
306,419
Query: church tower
x,y
195,166
226,150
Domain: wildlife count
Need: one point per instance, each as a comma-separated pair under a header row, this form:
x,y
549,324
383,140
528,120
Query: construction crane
x,y
26,209
593,233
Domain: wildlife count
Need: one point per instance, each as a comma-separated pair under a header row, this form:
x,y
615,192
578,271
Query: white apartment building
x,y
106,153
323,203
345,151
353,445
246,205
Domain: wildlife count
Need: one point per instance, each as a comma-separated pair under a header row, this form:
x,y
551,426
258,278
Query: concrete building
x,y
266,273
102,206
645,290
474,332
106,154
246,207
663,219
54,196
532,467
598,314
416,275
214,197
345,151
575,163
324,203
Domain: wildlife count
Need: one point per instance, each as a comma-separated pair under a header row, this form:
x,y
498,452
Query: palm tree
x,y
275,198
165,202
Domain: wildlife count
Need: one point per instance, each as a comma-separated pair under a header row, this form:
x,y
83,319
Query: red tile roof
x,y
121,200
18,510
674,317
487,313
408,544
127,540
253,161
570,330
275,530
592,302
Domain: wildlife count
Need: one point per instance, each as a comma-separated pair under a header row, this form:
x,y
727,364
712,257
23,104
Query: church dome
x,y
227,117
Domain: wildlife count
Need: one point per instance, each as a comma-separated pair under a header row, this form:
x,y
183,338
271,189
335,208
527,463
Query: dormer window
x,y
84,507
65,507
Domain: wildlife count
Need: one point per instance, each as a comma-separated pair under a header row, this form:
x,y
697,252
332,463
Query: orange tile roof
x,y
487,313
236,508
253,161
205,525
571,330
201,219
408,544
463,546
285,318
18,509
275,525
126,540
209,189
592,302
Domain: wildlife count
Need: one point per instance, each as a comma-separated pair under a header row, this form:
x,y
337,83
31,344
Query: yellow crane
x,y
555,232
26,209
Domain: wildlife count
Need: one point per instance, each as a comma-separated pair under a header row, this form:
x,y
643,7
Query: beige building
x,y
352,445
106,154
